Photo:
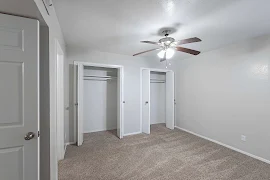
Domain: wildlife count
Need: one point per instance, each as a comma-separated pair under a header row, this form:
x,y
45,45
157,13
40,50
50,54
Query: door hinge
x,y
76,104
38,134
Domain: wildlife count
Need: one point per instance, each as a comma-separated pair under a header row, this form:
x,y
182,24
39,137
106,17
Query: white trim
x,y
75,100
38,91
70,143
141,69
99,130
60,146
120,102
227,146
134,133
66,144
157,70
80,99
119,68
98,65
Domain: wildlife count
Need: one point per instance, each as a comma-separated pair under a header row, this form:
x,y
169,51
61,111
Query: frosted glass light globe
x,y
169,53
161,54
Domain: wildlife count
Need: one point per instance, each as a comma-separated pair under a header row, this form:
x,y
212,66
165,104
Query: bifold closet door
x,y
146,101
170,100
120,102
80,104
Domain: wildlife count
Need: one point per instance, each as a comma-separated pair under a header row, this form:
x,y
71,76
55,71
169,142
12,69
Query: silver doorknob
x,y
29,136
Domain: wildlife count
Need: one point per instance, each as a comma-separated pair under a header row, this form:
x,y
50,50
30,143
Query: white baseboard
x,y
66,144
70,143
134,133
98,130
225,145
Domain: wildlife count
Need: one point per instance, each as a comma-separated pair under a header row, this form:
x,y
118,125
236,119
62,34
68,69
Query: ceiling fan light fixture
x,y
169,53
168,46
161,54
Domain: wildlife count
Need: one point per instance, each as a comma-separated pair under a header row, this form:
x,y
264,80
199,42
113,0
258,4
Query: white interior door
x,y
80,105
120,102
19,98
146,101
170,100
60,102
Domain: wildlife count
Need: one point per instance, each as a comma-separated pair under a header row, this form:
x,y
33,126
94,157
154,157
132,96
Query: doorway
x,y
99,98
157,98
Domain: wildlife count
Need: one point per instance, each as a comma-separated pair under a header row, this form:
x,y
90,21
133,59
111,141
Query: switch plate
x,y
243,138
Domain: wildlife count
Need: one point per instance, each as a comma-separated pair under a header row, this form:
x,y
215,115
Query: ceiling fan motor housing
x,y
167,41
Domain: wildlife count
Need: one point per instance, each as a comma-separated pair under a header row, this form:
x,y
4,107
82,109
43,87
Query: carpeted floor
x,y
165,154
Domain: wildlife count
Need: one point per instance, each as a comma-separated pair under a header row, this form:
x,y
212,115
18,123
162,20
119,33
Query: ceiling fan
x,y
169,45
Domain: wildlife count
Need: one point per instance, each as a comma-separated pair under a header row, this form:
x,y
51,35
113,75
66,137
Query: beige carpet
x,y
165,154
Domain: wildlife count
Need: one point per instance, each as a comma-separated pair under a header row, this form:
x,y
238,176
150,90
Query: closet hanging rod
x,y
100,76
98,79
157,82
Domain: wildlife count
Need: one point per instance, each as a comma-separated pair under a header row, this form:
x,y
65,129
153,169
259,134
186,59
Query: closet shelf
x,y
99,78
157,81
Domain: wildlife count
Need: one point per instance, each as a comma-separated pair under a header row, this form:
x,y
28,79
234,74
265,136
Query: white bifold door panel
x,y
80,104
60,103
19,98
146,101
120,102
170,100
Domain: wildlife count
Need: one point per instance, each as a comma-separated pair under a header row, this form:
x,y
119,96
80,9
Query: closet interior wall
x,y
157,97
100,99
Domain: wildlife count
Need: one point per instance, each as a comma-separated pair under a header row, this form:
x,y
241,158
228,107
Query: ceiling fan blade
x,y
190,40
150,42
146,51
190,51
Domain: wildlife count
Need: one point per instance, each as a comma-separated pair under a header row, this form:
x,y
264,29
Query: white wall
x,y
132,67
225,93
157,99
100,99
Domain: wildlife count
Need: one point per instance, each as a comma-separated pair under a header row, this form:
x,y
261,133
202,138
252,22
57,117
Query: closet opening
x,y
157,98
99,97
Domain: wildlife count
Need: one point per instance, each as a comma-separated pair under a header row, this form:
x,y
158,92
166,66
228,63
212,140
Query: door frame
x,y
60,116
75,97
141,89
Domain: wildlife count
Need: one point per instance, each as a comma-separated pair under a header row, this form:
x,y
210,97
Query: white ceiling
x,y
118,26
